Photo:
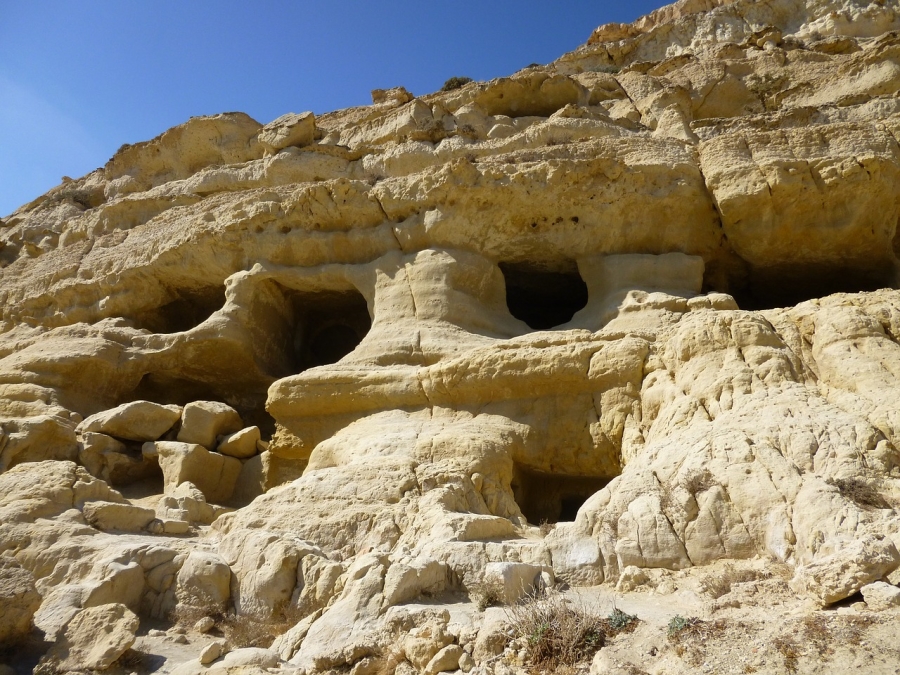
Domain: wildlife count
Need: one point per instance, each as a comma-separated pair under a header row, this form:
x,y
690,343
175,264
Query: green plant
x,y
455,83
555,633
678,623
619,620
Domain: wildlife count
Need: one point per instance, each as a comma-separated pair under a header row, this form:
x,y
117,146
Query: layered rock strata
x,y
646,293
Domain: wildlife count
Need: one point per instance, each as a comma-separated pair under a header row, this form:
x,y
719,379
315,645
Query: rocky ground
x,y
372,391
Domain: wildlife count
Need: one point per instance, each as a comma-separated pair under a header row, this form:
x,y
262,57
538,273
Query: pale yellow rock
x,y
881,595
845,572
94,639
601,321
36,439
203,421
117,517
513,581
213,474
204,581
241,444
293,129
136,421
211,652
445,660
20,600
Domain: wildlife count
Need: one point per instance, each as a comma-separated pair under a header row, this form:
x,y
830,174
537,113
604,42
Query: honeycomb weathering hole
x,y
327,326
543,298
552,498
187,310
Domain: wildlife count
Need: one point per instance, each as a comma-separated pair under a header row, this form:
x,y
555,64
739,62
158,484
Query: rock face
x,y
633,310
94,639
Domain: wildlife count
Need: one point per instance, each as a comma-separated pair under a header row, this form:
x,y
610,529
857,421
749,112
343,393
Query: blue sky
x,y
79,79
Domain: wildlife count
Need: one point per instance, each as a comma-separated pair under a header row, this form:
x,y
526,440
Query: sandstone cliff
x,y
613,320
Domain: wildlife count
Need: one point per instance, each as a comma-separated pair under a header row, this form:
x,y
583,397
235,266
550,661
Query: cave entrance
x,y
543,298
770,288
327,326
187,310
552,498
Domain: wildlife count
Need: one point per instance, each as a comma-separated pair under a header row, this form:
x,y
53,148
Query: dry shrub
x,y
555,633
455,83
697,480
693,481
487,594
546,527
860,492
690,636
789,652
239,631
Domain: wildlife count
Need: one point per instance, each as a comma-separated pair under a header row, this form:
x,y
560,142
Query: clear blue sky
x,y
79,79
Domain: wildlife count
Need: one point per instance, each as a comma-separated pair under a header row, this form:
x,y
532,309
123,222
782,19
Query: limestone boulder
x,y
94,639
203,421
241,444
512,581
446,660
111,460
204,581
135,421
292,129
112,517
48,489
213,474
187,503
36,439
881,595
19,599
837,576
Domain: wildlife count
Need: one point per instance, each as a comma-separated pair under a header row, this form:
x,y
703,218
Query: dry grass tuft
x,y
690,636
487,594
860,492
787,647
555,633
239,631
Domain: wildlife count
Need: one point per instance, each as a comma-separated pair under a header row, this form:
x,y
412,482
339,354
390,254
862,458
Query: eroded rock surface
x,y
606,321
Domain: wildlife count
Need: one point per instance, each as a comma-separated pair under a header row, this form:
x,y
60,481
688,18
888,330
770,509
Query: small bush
x,y
455,83
690,637
487,594
555,633
546,527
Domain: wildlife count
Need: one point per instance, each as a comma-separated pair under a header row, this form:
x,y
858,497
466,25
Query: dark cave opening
x,y
543,298
187,310
327,326
770,288
552,498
